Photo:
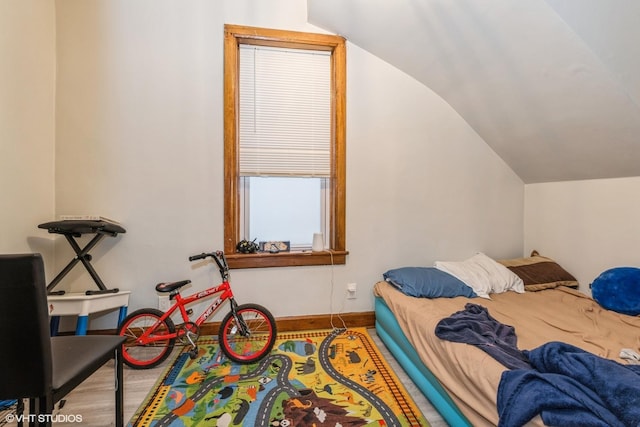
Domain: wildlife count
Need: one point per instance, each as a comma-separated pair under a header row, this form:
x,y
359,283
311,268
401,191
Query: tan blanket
x,y
470,375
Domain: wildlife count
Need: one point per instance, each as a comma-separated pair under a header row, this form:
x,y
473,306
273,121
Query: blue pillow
x,y
618,289
428,282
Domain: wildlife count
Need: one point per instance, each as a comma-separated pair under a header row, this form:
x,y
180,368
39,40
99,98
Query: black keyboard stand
x,y
72,229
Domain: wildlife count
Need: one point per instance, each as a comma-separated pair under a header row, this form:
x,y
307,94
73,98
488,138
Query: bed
x,y
461,380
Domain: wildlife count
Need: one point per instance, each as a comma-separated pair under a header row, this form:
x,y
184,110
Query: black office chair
x,y
33,365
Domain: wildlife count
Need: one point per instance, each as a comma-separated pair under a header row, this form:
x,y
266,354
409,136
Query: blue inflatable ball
x,y
618,289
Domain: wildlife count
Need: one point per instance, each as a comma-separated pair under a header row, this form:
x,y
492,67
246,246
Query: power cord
x,y
344,325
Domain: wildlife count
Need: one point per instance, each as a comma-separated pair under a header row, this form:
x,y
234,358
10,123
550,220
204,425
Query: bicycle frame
x,y
224,289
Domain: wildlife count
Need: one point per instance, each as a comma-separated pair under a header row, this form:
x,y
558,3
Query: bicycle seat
x,y
171,286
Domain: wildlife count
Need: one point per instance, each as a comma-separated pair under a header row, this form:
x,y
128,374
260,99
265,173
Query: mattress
x,y
469,375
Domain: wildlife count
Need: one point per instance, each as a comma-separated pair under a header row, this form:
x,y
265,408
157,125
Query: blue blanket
x,y
570,387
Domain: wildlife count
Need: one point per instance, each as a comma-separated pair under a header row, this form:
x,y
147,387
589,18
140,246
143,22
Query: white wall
x,y
27,92
587,226
139,138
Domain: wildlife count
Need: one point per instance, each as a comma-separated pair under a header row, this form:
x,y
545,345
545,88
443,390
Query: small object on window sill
x,y
275,246
318,242
247,247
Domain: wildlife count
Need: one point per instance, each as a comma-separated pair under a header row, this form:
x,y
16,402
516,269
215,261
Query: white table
x,y
81,305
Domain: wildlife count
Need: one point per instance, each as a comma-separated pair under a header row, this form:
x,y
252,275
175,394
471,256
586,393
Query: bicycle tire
x,y
133,326
259,342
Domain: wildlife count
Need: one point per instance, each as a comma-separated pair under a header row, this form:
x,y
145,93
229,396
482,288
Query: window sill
x,y
286,259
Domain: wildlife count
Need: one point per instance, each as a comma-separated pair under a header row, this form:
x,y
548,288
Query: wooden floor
x,y
93,400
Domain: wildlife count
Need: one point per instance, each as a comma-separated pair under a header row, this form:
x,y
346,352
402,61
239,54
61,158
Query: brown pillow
x,y
538,272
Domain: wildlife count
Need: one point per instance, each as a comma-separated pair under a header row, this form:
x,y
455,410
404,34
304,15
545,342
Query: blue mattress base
x,y
391,334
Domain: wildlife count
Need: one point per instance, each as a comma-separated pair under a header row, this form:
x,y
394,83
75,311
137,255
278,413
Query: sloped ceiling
x,y
552,86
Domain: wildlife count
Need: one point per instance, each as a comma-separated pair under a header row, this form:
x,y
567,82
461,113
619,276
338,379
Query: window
x,y
284,141
283,207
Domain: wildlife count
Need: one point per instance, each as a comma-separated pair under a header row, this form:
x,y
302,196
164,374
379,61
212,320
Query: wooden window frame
x,y
234,36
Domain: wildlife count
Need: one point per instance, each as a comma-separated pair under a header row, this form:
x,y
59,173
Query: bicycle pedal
x,y
193,353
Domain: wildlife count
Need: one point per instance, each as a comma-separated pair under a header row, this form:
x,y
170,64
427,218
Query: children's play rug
x,y
311,378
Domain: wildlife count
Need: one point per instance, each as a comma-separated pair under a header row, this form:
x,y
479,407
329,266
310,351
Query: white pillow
x,y
483,275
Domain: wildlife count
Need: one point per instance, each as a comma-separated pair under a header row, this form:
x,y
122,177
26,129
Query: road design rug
x,y
311,378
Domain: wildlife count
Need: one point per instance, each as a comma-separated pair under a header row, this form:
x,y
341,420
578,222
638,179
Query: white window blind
x,y
285,112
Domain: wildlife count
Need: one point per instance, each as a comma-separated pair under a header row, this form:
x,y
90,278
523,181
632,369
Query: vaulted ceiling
x,y
553,86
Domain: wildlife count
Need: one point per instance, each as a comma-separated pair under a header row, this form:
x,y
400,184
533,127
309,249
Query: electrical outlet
x,y
352,288
163,302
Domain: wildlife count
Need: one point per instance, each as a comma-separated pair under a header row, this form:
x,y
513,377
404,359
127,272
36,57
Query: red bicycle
x,y
247,332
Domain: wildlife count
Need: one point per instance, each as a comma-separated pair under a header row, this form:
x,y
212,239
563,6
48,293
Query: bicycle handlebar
x,y
197,257
203,255
218,257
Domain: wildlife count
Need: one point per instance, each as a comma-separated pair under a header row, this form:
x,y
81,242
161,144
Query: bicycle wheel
x,y
146,356
256,342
